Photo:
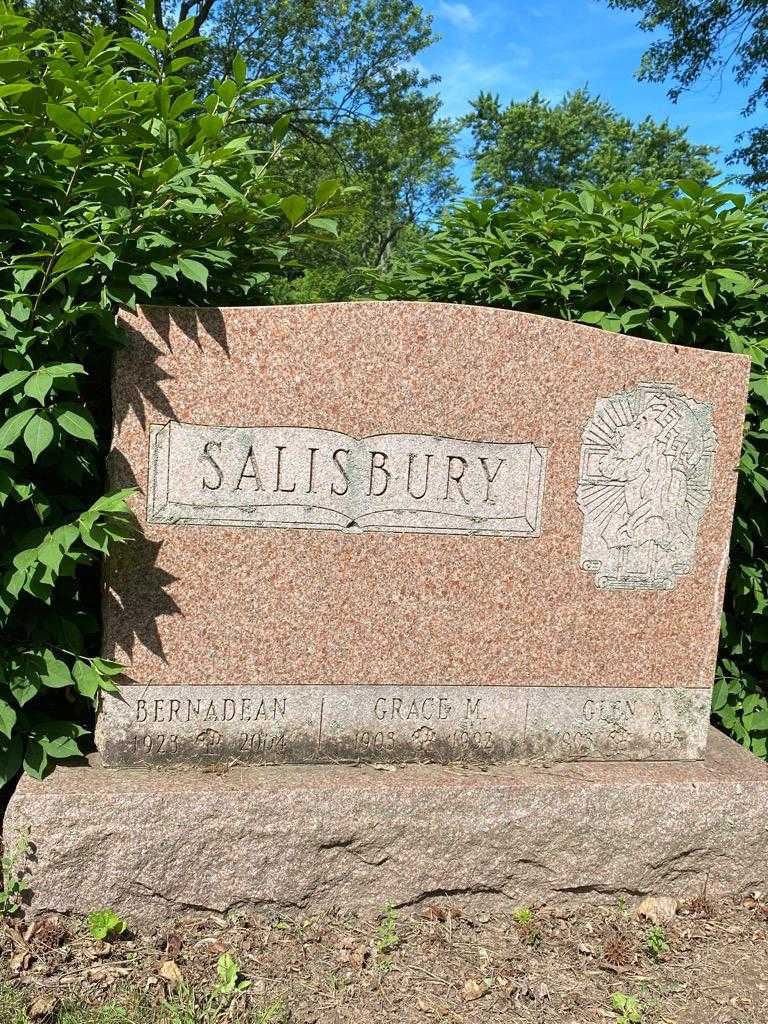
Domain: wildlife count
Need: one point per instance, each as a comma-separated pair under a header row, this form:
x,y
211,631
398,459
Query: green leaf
x,y
210,126
239,69
193,270
181,104
55,673
24,689
35,760
14,426
181,30
719,695
105,924
709,287
58,739
108,668
38,385
294,207
38,434
325,190
74,255
7,720
137,50
87,679
75,420
59,370
280,127
144,282
8,381
758,720
224,187
11,756
66,119
324,224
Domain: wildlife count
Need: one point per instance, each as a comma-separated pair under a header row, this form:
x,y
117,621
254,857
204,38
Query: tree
x,y
582,138
116,186
706,38
346,78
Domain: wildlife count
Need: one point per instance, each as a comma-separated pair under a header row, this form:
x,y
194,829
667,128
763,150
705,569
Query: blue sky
x,y
513,48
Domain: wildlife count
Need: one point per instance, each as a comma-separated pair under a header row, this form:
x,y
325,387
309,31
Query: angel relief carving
x,y
647,460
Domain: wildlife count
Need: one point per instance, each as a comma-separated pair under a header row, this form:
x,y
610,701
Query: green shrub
x,y
686,265
117,184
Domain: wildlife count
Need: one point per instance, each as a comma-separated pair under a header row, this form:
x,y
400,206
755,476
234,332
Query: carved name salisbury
x,y
303,477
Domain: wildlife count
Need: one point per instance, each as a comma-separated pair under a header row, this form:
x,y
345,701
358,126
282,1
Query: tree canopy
x,y
539,144
344,74
710,39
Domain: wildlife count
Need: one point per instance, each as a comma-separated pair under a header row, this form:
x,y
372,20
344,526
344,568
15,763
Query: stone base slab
x,y
153,844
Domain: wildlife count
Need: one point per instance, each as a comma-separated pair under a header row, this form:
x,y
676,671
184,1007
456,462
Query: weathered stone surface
x,y
152,844
176,725
446,497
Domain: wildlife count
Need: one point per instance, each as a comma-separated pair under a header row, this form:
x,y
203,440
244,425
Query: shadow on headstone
x,y
129,611
141,377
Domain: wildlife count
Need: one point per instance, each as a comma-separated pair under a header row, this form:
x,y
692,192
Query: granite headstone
x,y
405,531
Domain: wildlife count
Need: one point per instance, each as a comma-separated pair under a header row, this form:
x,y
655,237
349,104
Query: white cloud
x,y
462,77
458,14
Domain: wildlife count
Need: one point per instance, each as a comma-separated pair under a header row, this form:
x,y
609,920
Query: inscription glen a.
x,y
304,477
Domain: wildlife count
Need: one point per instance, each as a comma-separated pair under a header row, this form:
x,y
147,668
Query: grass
x,y
183,1007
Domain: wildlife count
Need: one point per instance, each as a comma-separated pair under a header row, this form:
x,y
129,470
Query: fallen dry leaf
x,y
42,1007
657,909
20,961
432,913
472,989
169,971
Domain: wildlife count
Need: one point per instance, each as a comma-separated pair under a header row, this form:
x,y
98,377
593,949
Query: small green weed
x,y
627,1008
13,887
525,922
386,938
186,1006
656,941
384,964
105,924
271,1014
523,915
230,981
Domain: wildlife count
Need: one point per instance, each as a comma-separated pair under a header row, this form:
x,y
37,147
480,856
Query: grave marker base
x,y
152,845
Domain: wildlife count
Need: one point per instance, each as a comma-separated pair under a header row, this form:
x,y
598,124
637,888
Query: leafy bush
x,y
686,265
116,184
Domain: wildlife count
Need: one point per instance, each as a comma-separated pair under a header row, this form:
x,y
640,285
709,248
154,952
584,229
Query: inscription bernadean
x,y
304,477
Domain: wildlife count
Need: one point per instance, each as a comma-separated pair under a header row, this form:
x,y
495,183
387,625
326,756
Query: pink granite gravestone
x,y
406,531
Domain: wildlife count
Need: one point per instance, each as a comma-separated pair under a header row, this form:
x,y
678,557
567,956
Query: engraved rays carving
x,y
645,480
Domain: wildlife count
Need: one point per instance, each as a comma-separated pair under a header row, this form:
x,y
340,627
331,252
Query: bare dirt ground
x,y
706,964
